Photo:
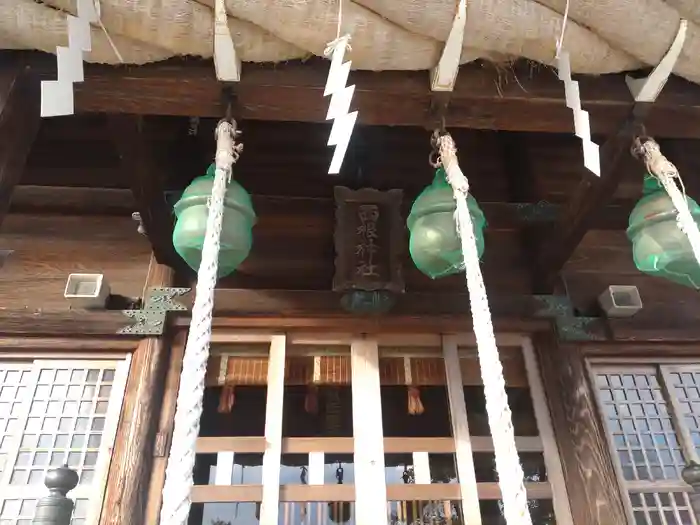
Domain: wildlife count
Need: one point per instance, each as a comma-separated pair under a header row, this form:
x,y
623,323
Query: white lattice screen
x,y
54,413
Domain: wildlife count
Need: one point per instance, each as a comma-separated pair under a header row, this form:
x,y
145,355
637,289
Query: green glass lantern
x,y
659,247
192,212
435,246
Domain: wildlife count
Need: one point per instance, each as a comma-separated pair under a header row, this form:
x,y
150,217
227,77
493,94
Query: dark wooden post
x,y
594,494
137,439
691,475
56,508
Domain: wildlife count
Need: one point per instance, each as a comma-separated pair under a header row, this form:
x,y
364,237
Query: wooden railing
x,y
400,496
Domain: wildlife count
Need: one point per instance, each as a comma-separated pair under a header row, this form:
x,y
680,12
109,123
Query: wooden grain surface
x,y
588,469
49,248
132,457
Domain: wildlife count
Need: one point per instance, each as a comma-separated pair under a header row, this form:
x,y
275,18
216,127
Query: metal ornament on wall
x,y
150,320
368,246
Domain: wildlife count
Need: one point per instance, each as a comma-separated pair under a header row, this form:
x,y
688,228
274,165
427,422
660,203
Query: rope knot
x,y
340,42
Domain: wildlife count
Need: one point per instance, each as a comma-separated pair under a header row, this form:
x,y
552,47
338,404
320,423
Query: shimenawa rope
x,y
179,472
510,472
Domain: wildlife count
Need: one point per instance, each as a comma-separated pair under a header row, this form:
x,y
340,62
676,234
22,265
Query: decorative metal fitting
x,y
136,216
569,326
541,211
4,254
150,320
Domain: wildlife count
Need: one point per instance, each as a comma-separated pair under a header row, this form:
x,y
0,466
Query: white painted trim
x,y
223,475
269,508
555,472
109,436
317,468
368,433
421,468
460,431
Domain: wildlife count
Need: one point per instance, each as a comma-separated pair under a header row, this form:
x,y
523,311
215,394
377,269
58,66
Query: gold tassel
x,y
227,399
415,405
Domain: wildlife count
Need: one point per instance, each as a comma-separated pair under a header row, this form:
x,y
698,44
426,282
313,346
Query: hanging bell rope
x,y
648,151
510,472
179,473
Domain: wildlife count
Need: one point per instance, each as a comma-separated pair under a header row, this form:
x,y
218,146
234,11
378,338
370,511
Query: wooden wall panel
x,y
604,258
48,248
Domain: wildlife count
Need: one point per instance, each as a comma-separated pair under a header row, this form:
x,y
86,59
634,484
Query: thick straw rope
x,y
510,472
178,475
667,173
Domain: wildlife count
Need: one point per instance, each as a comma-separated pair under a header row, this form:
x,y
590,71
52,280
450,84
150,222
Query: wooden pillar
x,y
691,475
594,491
20,101
57,507
132,459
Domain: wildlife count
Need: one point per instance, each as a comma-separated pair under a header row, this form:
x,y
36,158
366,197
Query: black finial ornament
x,y
57,508
691,475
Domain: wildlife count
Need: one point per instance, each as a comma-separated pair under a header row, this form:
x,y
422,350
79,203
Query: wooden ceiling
x,y
523,163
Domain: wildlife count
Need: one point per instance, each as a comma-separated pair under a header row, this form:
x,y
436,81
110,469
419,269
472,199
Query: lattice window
x,y
652,416
54,413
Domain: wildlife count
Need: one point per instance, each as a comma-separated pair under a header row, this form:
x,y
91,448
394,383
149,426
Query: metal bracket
x,y
570,327
150,320
541,211
4,254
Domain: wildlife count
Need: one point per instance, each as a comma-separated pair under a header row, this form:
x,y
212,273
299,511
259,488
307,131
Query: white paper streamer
x,y
57,95
339,107
582,127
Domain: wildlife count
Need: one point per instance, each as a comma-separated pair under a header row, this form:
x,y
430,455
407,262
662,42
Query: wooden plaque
x,y
369,239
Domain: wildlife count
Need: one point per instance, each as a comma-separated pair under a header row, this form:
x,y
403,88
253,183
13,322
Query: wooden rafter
x,y
483,98
147,178
19,125
591,195
60,200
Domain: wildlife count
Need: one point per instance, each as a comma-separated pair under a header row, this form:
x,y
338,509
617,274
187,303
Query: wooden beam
x,y
19,125
59,200
130,470
147,175
522,186
300,310
519,99
56,323
592,194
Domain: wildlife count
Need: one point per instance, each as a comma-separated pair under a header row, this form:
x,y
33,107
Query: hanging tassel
x,y
227,399
415,405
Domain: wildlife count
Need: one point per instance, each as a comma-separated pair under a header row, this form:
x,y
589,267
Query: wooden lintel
x,y
147,177
75,323
300,310
48,200
485,97
591,195
19,124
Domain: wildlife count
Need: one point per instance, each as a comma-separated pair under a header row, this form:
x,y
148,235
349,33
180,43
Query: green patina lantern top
x,y
435,246
192,211
660,248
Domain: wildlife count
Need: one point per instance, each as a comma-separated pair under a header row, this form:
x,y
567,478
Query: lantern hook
x,y
434,158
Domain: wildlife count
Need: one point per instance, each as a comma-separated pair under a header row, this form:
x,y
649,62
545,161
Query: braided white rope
x,y
667,173
178,475
510,472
